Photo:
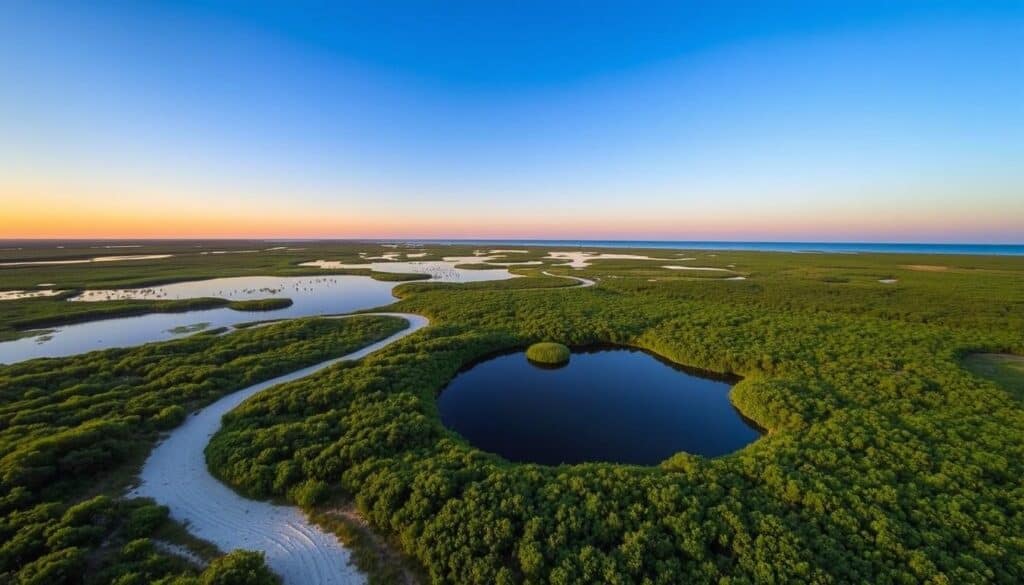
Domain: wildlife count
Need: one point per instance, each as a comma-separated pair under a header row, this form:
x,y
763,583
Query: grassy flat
x,y
1007,370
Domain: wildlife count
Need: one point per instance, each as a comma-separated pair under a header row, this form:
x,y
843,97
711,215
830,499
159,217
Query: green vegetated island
x,y
889,387
548,352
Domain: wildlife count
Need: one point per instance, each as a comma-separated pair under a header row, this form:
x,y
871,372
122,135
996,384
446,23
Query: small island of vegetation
x,y
548,353
260,304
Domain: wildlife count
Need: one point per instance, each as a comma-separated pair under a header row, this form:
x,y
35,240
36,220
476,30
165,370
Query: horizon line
x,y
493,239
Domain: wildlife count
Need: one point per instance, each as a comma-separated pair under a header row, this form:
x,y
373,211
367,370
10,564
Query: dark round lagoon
x,y
612,405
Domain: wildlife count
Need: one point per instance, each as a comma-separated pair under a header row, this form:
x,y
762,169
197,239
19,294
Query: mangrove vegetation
x,y
73,432
886,460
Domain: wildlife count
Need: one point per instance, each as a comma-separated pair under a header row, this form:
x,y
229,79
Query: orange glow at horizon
x,y
108,224
38,212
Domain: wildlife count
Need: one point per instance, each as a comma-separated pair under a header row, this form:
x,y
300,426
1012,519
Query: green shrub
x,y
57,568
547,352
309,493
137,549
169,417
94,511
240,567
145,520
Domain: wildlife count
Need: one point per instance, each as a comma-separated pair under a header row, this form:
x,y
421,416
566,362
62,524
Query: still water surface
x,y
311,295
615,405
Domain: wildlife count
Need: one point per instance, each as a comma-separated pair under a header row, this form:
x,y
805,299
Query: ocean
x,y
805,247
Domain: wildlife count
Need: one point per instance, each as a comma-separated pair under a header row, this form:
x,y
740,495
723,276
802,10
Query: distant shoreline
x,y
804,247
719,245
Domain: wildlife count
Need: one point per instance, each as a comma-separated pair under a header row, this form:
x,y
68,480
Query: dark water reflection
x,y
615,405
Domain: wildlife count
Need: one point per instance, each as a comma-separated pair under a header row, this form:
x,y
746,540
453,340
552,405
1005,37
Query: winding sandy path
x,y
584,282
583,259
176,476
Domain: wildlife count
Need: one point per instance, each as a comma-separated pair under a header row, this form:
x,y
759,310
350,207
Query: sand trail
x,y
175,475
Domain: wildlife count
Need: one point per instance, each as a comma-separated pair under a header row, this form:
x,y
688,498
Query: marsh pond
x,y
311,296
607,404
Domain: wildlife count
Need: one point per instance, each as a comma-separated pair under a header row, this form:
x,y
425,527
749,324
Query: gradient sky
x,y
822,121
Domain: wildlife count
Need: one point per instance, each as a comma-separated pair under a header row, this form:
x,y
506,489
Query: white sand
x,y
88,260
136,257
508,251
583,259
584,282
11,295
438,270
474,259
697,268
416,255
385,256
176,476
926,267
888,280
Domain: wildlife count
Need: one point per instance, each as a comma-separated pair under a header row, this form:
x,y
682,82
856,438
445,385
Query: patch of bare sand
x,y
925,267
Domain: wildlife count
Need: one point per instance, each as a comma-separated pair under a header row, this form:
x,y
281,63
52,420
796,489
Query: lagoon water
x,y
316,295
311,295
437,270
614,405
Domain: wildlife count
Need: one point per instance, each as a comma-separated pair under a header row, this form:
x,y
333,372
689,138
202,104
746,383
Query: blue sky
x,y
893,121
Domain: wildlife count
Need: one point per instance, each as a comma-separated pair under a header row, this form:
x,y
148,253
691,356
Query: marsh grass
x,y
1007,370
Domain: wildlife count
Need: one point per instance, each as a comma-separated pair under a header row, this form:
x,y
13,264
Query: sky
x,y
763,121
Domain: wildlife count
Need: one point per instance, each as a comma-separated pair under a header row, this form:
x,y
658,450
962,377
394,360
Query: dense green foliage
x,y
75,427
239,568
548,352
886,461
260,304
